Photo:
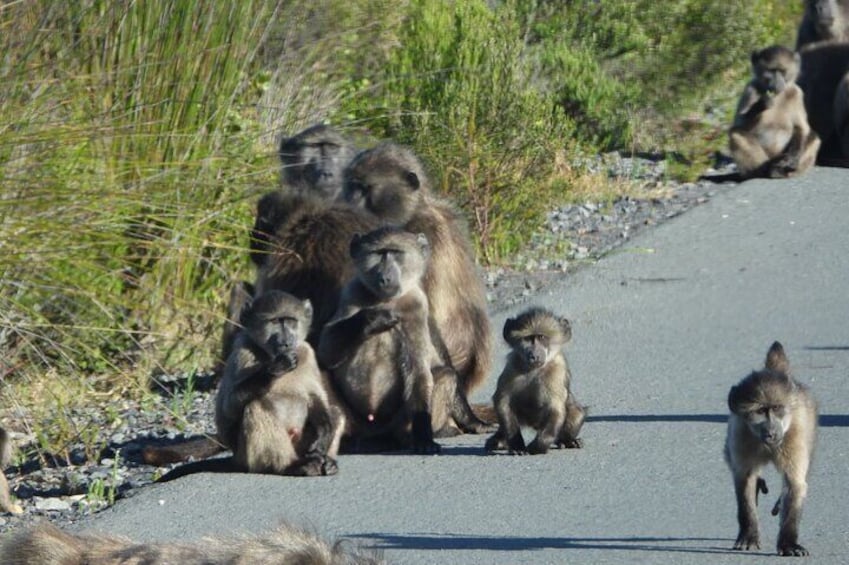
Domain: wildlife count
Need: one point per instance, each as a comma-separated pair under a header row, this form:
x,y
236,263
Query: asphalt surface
x,y
662,328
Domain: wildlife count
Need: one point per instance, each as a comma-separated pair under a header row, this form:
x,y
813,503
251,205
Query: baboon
x,y
534,388
825,82
378,346
305,250
6,451
272,407
773,419
390,182
824,20
313,161
770,136
46,544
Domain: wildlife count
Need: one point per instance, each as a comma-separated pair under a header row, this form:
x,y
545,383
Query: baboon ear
x,y
355,245
509,326
308,311
424,244
413,180
732,399
566,328
776,360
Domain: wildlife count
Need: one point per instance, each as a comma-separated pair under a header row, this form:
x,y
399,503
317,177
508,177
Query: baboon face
x,y
315,159
536,336
824,14
390,260
774,69
278,322
388,181
761,401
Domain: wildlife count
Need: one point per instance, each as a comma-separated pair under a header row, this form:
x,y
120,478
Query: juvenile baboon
x,y
824,20
45,544
305,249
313,161
272,407
6,451
773,419
770,136
378,346
825,82
534,388
390,182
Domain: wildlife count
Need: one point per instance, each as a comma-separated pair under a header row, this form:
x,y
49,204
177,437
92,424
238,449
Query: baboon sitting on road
x,y
773,420
770,136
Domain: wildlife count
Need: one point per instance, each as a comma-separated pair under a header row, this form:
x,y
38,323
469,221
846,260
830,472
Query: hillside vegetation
x,y
135,138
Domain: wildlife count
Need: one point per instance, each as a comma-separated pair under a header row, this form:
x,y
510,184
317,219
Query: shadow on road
x,y
487,543
826,420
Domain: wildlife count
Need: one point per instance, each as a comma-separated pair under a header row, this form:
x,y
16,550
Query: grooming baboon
x,y
378,346
390,182
6,451
824,20
825,82
306,247
272,407
773,419
534,388
770,136
314,159
45,544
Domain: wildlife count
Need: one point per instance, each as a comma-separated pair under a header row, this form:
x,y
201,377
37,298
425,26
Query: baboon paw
x,y
574,443
746,542
522,451
481,428
537,448
792,549
494,443
284,363
379,320
329,467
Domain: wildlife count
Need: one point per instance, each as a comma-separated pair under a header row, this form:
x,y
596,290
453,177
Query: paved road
x,y
662,329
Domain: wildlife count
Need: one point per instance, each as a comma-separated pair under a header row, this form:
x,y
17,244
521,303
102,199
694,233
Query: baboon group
x,y
795,110
366,328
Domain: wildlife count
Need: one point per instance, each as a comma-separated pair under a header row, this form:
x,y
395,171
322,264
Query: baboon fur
x,y
824,21
825,82
773,420
534,388
313,161
770,136
6,453
286,545
390,182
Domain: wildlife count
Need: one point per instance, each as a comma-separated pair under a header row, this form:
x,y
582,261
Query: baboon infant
x,y
313,161
824,20
378,346
6,449
272,407
389,181
47,545
771,136
534,388
773,419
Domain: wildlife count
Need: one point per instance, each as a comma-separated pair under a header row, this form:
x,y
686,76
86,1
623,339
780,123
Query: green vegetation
x,y
136,136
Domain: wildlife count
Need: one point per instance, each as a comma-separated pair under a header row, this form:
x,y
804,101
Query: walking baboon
x,y
824,20
45,544
390,182
313,161
534,388
306,247
6,451
770,136
378,346
272,407
825,82
773,419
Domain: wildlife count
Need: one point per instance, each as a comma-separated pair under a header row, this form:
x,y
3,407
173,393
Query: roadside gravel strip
x,y
581,233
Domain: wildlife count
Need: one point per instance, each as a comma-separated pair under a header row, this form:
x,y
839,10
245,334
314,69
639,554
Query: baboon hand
x,y
379,320
284,362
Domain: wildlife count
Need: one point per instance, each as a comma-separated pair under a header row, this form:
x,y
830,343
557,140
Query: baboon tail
x,y
485,412
198,448
43,545
217,465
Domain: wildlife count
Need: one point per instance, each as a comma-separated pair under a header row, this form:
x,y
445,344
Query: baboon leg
x,y
746,152
418,394
508,428
795,489
575,416
458,416
808,155
6,503
841,115
264,444
798,156
549,433
318,439
495,441
745,487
